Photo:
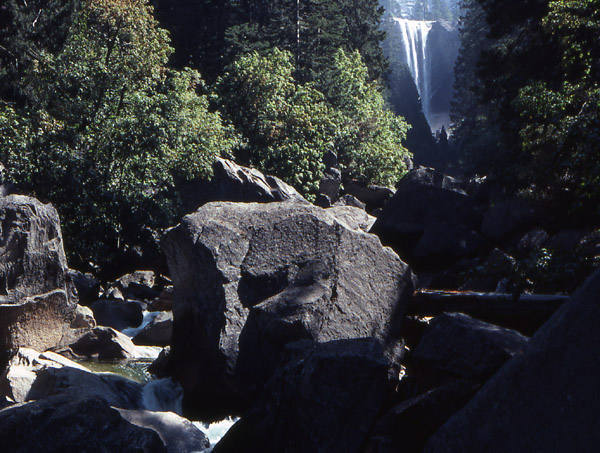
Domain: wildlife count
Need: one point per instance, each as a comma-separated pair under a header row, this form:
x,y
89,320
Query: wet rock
x,y
158,332
31,375
106,344
160,366
178,434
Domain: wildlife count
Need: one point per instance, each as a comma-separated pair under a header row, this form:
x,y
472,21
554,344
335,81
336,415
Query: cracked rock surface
x,y
251,278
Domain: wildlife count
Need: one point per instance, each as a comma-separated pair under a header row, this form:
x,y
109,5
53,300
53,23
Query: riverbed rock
x,y
178,434
330,183
459,346
325,399
87,286
233,182
164,302
31,375
431,219
84,318
350,200
118,314
137,285
543,400
61,423
35,306
158,332
105,343
250,278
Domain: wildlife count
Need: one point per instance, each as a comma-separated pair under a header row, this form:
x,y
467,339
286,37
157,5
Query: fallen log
x,y
525,313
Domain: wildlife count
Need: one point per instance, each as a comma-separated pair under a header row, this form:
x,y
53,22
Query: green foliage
x,y
106,129
370,138
289,126
561,114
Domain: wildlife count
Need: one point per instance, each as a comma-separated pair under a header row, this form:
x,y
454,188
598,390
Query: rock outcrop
x,y
431,219
36,309
543,400
250,278
232,182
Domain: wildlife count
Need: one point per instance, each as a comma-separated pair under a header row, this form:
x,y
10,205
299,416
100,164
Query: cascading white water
x,y
414,37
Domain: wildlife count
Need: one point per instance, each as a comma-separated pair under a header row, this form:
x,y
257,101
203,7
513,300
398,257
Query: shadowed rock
x,y
250,278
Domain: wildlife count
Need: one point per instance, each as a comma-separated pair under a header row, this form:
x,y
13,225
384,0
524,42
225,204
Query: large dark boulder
x,y
507,218
407,426
463,347
374,197
250,278
232,182
543,400
431,219
35,305
87,286
60,424
118,314
325,399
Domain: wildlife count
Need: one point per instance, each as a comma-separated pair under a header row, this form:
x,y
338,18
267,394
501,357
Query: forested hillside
x,y
102,115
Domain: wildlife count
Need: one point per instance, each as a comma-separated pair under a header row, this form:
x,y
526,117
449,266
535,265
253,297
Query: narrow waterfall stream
x,y
414,37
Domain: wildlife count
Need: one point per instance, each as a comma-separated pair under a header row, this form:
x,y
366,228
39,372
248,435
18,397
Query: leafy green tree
x,y
560,113
108,128
370,138
288,126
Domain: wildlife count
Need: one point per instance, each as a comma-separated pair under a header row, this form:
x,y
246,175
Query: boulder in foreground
x,y
543,400
250,278
35,307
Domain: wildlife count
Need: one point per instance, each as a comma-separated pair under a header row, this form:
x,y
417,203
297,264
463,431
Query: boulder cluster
x,y
304,321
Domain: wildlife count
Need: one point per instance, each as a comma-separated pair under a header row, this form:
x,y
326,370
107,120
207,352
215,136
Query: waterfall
x,y
414,37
